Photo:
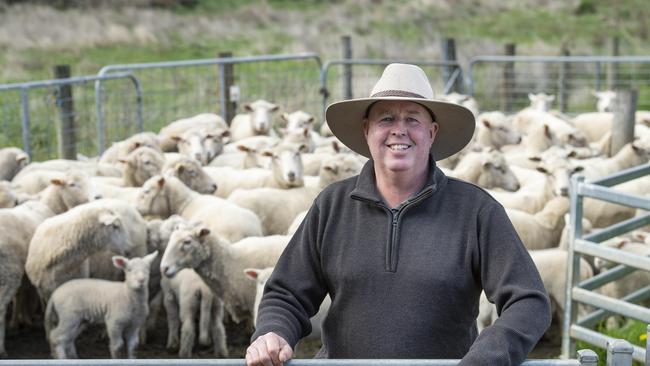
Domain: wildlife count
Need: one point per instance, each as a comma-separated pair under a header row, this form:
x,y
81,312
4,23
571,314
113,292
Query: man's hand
x,y
268,350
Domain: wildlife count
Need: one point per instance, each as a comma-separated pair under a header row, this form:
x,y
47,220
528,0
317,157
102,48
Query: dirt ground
x,y
30,343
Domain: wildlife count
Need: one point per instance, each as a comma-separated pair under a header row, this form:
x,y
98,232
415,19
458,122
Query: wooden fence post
x,y
227,81
449,55
347,69
612,70
563,84
623,124
508,82
66,127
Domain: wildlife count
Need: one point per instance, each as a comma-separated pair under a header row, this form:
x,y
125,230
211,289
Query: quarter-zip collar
x,y
366,191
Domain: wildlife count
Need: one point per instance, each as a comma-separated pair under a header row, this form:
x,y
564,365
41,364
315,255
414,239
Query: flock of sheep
x,y
194,217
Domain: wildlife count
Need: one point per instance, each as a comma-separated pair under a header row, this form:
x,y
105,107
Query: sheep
x,y
488,169
257,120
190,172
201,144
301,137
245,158
208,121
12,160
140,165
540,101
297,221
602,213
122,149
466,101
185,296
535,191
528,119
285,172
164,196
298,120
8,198
122,306
594,125
221,264
256,143
64,165
266,201
543,229
261,276
61,245
493,130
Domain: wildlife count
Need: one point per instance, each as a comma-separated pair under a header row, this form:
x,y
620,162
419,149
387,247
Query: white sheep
x,y
61,245
488,169
298,120
165,196
535,191
244,158
185,296
277,208
8,198
257,143
12,160
120,150
63,165
201,144
465,100
285,172
221,264
122,306
208,121
494,130
257,120
543,229
540,101
190,172
529,120
140,165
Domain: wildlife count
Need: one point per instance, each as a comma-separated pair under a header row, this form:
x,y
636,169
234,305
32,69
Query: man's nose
x,y
399,128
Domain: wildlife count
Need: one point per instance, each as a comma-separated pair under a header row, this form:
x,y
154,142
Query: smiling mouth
x,y
399,147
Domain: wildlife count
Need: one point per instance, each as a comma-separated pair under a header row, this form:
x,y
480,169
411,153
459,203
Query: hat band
x,y
396,93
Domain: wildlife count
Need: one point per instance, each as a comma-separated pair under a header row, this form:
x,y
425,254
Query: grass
x,y
632,331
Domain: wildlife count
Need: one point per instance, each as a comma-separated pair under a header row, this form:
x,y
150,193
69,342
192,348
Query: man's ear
x,y
365,128
433,131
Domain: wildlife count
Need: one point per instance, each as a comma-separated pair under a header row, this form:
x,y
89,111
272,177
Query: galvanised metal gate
x,y
583,292
503,82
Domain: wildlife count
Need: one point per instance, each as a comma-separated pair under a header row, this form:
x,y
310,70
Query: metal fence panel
x,y
503,82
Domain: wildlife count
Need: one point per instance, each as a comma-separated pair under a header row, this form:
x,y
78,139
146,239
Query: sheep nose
x,y
97,196
291,176
564,191
213,187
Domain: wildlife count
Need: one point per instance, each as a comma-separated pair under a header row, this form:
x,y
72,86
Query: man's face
x,y
399,135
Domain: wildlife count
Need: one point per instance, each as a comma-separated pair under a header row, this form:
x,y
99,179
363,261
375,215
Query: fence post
x,y
347,69
619,353
66,130
508,82
624,118
612,71
565,73
449,55
226,80
587,357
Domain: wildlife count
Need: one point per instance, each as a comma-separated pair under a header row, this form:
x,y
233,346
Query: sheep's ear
x,y
120,262
486,123
243,148
336,147
542,170
572,154
124,161
547,131
161,182
225,133
267,153
275,108
285,116
21,157
248,108
180,168
303,148
252,273
176,138
535,158
57,181
107,219
149,258
305,132
203,232
531,96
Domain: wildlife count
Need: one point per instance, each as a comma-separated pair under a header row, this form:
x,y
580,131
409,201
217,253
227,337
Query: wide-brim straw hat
x,y
409,83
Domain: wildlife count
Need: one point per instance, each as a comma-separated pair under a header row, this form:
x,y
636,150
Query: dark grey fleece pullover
x,y
405,283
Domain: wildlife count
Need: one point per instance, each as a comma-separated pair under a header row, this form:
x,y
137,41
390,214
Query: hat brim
x,y
456,124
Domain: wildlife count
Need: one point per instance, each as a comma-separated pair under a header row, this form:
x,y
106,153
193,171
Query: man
x,y
403,250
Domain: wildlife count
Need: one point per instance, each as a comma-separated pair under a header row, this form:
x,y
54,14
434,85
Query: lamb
x,y
494,130
261,276
12,160
540,101
164,196
543,229
594,125
201,144
185,295
285,172
535,191
257,120
528,119
632,154
208,121
630,283
61,245
122,306
256,143
122,149
64,165
488,169
140,165
602,213
221,264
8,198
265,201
298,120
245,158
190,172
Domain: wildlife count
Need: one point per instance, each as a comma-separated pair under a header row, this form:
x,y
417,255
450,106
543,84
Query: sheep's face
x,y
606,100
261,113
189,171
186,249
495,172
339,167
286,164
136,270
298,120
114,235
153,198
191,145
75,189
146,163
541,101
500,132
213,143
7,197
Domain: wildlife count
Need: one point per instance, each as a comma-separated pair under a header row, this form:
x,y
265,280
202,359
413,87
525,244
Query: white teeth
x,y
399,147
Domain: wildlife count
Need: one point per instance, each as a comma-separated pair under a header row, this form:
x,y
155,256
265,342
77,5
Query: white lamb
x,y
221,264
165,196
209,121
140,165
543,229
122,306
285,172
202,144
528,120
494,130
12,160
122,149
8,198
63,165
298,120
487,169
19,224
257,120
185,296
61,245
535,191
266,201
190,172
540,101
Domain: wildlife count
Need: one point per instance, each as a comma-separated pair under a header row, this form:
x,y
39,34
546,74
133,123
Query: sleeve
x,y
511,281
296,288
